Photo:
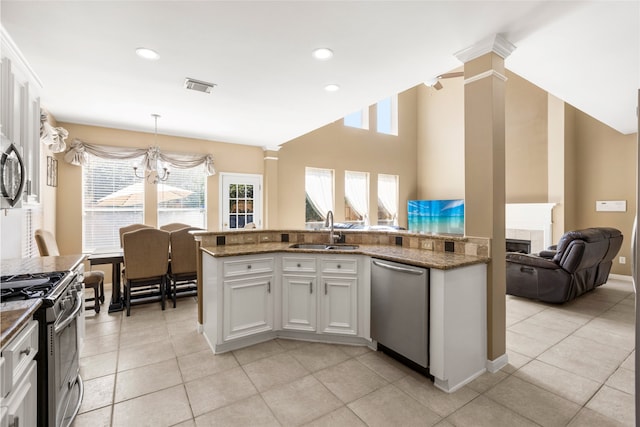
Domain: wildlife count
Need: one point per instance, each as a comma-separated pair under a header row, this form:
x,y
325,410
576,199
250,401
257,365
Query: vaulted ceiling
x,y
269,89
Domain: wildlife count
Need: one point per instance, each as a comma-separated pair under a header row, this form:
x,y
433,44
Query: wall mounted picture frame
x,y
52,172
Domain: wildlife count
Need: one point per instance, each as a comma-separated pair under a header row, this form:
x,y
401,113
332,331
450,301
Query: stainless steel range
x,y
60,388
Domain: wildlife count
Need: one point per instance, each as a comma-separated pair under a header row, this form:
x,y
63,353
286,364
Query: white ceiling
x,y
269,88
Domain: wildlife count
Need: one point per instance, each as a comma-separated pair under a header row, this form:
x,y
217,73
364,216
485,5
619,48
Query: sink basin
x,y
323,247
309,246
343,247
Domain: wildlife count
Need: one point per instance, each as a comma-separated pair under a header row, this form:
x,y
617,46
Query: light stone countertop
x,y
416,257
14,316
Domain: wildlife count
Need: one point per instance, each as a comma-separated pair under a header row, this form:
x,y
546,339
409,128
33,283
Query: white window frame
x,y
333,195
364,119
204,209
393,116
227,178
364,197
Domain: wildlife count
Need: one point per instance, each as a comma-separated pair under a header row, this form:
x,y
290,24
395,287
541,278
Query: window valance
x,y
79,151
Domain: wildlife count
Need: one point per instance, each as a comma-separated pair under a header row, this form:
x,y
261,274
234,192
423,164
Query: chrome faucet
x,y
329,223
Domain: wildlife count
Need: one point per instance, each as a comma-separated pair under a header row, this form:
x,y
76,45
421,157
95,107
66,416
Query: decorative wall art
x,y
52,172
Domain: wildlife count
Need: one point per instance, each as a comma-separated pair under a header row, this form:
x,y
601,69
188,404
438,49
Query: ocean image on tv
x,y
436,216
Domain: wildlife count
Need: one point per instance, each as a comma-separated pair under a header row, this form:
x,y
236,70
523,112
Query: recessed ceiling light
x,y
332,88
322,53
146,53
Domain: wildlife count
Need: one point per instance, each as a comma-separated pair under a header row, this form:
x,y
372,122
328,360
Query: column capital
x,y
494,43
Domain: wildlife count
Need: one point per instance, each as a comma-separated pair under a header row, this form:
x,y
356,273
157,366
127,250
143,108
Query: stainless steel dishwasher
x,y
400,312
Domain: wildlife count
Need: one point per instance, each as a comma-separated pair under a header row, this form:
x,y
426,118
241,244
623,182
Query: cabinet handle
x,y
26,351
15,422
269,287
299,265
310,287
249,267
339,266
325,288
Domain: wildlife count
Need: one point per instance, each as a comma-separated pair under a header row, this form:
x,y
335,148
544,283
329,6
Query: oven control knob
x,y
78,287
65,303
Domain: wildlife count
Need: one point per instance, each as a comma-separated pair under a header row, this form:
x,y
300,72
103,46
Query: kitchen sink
x,y
323,247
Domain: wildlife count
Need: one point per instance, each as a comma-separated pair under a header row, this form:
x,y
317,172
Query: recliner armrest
x,y
548,254
531,260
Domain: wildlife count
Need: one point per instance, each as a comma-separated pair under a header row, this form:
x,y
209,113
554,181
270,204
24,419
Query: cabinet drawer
x,y
248,266
18,353
299,265
340,265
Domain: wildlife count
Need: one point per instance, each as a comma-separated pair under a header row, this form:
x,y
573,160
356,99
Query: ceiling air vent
x,y
198,85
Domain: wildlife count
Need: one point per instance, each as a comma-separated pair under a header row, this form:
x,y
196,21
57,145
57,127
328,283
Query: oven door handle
x,y
58,327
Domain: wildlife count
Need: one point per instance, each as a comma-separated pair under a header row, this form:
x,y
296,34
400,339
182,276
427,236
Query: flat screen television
x,y
436,216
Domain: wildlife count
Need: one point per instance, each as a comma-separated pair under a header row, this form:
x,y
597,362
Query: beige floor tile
x,y
250,412
133,336
589,418
300,401
623,380
182,326
533,328
96,418
162,408
142,316
290,344
444,423
98,365
515,361
487,380
534,403
524,306
342,417
258,351
147,379
146,354
527,345
614,404
559,320
316,356
188,423
483,412
218,390
99,345
350,380
354,350
587,306
585,357
443,404
630,362
274,370
205,363
188,343
573,387
388,368
608,333
106,327
389,406
98,393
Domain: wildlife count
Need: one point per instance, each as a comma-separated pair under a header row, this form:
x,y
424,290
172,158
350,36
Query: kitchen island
x,y
256,286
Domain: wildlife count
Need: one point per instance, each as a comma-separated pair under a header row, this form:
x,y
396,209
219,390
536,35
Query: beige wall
x,y
545,139
227,158
342,148
605,166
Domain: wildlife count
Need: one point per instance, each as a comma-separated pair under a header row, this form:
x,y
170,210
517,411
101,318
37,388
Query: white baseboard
x,y
495,365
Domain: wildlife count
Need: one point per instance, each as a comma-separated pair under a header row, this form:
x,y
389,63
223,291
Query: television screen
x,y
436,216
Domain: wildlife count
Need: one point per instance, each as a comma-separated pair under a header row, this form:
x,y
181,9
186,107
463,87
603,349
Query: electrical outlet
x,y
622,260
427,244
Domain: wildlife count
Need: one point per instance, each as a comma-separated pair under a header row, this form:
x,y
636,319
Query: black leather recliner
x,y
581,261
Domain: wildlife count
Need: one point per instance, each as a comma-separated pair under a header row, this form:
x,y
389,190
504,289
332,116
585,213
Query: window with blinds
x,y
182,197
112,198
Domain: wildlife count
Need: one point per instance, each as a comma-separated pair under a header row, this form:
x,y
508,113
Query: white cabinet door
x,y
248,306
299,303
21,405
339,305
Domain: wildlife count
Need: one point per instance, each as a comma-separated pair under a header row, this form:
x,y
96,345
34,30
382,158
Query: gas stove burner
x,y
28,286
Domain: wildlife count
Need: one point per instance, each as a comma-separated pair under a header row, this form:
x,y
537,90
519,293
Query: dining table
x,y
115,259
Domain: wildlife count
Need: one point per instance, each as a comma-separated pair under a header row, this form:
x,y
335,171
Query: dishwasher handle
x,y
397,268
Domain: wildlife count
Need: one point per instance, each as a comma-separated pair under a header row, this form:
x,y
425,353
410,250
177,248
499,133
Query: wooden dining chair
x,y
47,246
183,266
146,261
174,226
